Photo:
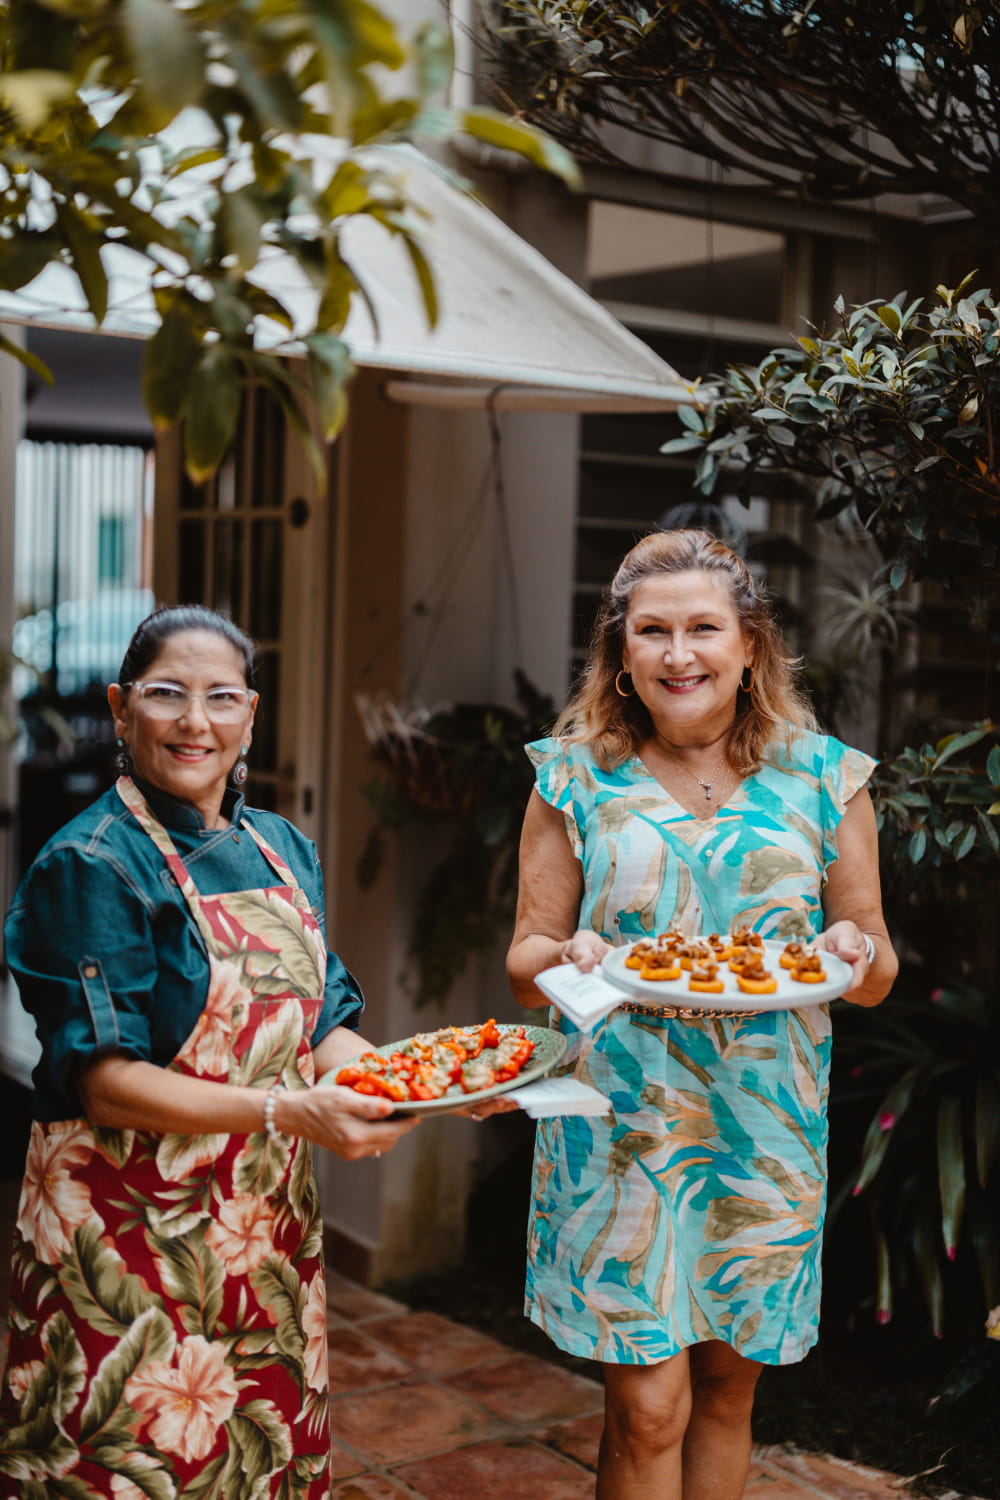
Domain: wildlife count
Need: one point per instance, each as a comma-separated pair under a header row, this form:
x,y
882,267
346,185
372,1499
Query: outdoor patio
x,y
427,1409
424,1407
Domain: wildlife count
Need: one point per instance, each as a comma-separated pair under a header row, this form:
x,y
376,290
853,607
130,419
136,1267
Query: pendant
x,y
708,788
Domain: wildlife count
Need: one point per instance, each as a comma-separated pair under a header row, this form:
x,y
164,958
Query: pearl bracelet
x,y
270,1098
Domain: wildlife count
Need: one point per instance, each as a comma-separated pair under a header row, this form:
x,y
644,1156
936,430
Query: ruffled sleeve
x,y
845,771
555,782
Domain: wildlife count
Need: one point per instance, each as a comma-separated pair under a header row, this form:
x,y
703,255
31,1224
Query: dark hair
x,y
615,726
155,629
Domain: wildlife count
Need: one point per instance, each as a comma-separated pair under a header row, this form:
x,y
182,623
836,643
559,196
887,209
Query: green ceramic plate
x,y
549,1048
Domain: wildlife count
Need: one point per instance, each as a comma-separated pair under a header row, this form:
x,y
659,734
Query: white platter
x,y
791,994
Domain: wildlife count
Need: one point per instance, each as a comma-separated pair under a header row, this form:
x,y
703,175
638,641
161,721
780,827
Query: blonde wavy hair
x,y
614,727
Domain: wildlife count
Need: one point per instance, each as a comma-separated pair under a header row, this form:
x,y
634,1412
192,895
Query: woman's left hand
x,y
846,940
501,1105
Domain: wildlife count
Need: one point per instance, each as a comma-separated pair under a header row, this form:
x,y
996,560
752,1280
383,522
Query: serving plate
x,y
549,1048
791,994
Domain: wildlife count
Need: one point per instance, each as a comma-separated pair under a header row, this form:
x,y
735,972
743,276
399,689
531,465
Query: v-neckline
x,y
637,760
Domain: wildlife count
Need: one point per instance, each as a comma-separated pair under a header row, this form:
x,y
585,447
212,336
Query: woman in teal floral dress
x,y
168,1326
678,1239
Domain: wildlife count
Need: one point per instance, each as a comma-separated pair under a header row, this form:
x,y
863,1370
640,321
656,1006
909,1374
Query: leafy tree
x,y
844,98
89,170
895,414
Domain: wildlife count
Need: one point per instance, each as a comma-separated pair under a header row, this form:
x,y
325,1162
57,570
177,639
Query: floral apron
x,y
168,1306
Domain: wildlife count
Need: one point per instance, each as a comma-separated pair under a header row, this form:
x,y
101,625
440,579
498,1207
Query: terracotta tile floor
x,y
426,1409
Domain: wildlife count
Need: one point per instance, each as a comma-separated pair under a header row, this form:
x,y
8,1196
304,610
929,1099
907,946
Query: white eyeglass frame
x,y
249,695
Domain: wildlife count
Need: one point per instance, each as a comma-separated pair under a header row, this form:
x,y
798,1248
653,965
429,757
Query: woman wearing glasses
x,y
168,1310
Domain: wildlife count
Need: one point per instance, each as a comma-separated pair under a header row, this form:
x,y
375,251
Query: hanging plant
x,y
460,774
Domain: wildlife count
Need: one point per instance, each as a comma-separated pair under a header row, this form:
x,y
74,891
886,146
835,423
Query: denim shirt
x,y
101,891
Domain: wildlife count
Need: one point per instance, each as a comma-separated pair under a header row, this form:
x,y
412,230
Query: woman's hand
x,y
585,949
846,940
349,1124
503,1104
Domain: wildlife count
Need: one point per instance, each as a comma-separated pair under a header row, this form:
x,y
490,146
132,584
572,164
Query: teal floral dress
x,y
694,1209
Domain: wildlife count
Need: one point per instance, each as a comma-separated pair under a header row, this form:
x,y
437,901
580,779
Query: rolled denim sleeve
x,y
79,943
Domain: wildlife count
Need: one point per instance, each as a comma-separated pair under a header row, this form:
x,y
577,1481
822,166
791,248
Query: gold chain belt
x,y
685,1012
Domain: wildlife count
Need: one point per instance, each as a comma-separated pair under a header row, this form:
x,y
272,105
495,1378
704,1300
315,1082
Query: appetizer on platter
x,y
428,1064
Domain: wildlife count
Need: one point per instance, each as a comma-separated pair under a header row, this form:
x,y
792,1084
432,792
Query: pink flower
x,y
188,1401
207,1049
884,1315
53,1203
886,1120
22,1377
314,1327
936,994
243,1234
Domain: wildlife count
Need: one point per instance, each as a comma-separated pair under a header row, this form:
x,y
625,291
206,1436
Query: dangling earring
x,y
747,687
618,684
240,772
123,761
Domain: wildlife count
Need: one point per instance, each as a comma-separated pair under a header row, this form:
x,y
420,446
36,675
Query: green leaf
x,y
330,373
425,277
241,219
890,317
917,846
107,1414
25,256
27,358
987,1126
965,842
993,765
951,1170
259,1445
211,410
31,94
953,744
883,1125
507,134
193,1275
167,54
279,1289
168,360
103,1293
925,1252
84,242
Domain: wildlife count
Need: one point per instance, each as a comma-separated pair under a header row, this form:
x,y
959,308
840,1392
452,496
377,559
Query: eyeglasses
x,y
222,705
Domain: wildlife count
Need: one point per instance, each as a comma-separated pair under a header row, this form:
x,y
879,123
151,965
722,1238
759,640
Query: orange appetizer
x,y
663,963
695,952
809,969
754,979
705,977
792,955
745,937
639,953
720,948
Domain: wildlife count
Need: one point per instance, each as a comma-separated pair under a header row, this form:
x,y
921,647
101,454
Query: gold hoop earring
x,y
618,687
747,687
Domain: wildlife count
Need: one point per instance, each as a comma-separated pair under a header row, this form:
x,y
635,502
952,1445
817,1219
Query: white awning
x,y
512,331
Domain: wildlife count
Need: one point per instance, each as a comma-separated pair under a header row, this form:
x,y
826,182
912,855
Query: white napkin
x,y
559,1096
585,998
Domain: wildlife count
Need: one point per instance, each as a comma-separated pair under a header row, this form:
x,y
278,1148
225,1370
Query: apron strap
x,y
273,858
150,824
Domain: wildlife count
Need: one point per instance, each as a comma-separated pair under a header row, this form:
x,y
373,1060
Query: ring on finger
x,y
376,1154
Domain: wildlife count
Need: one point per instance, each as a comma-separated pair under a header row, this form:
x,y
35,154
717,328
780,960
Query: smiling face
x,y
190,757
685,650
